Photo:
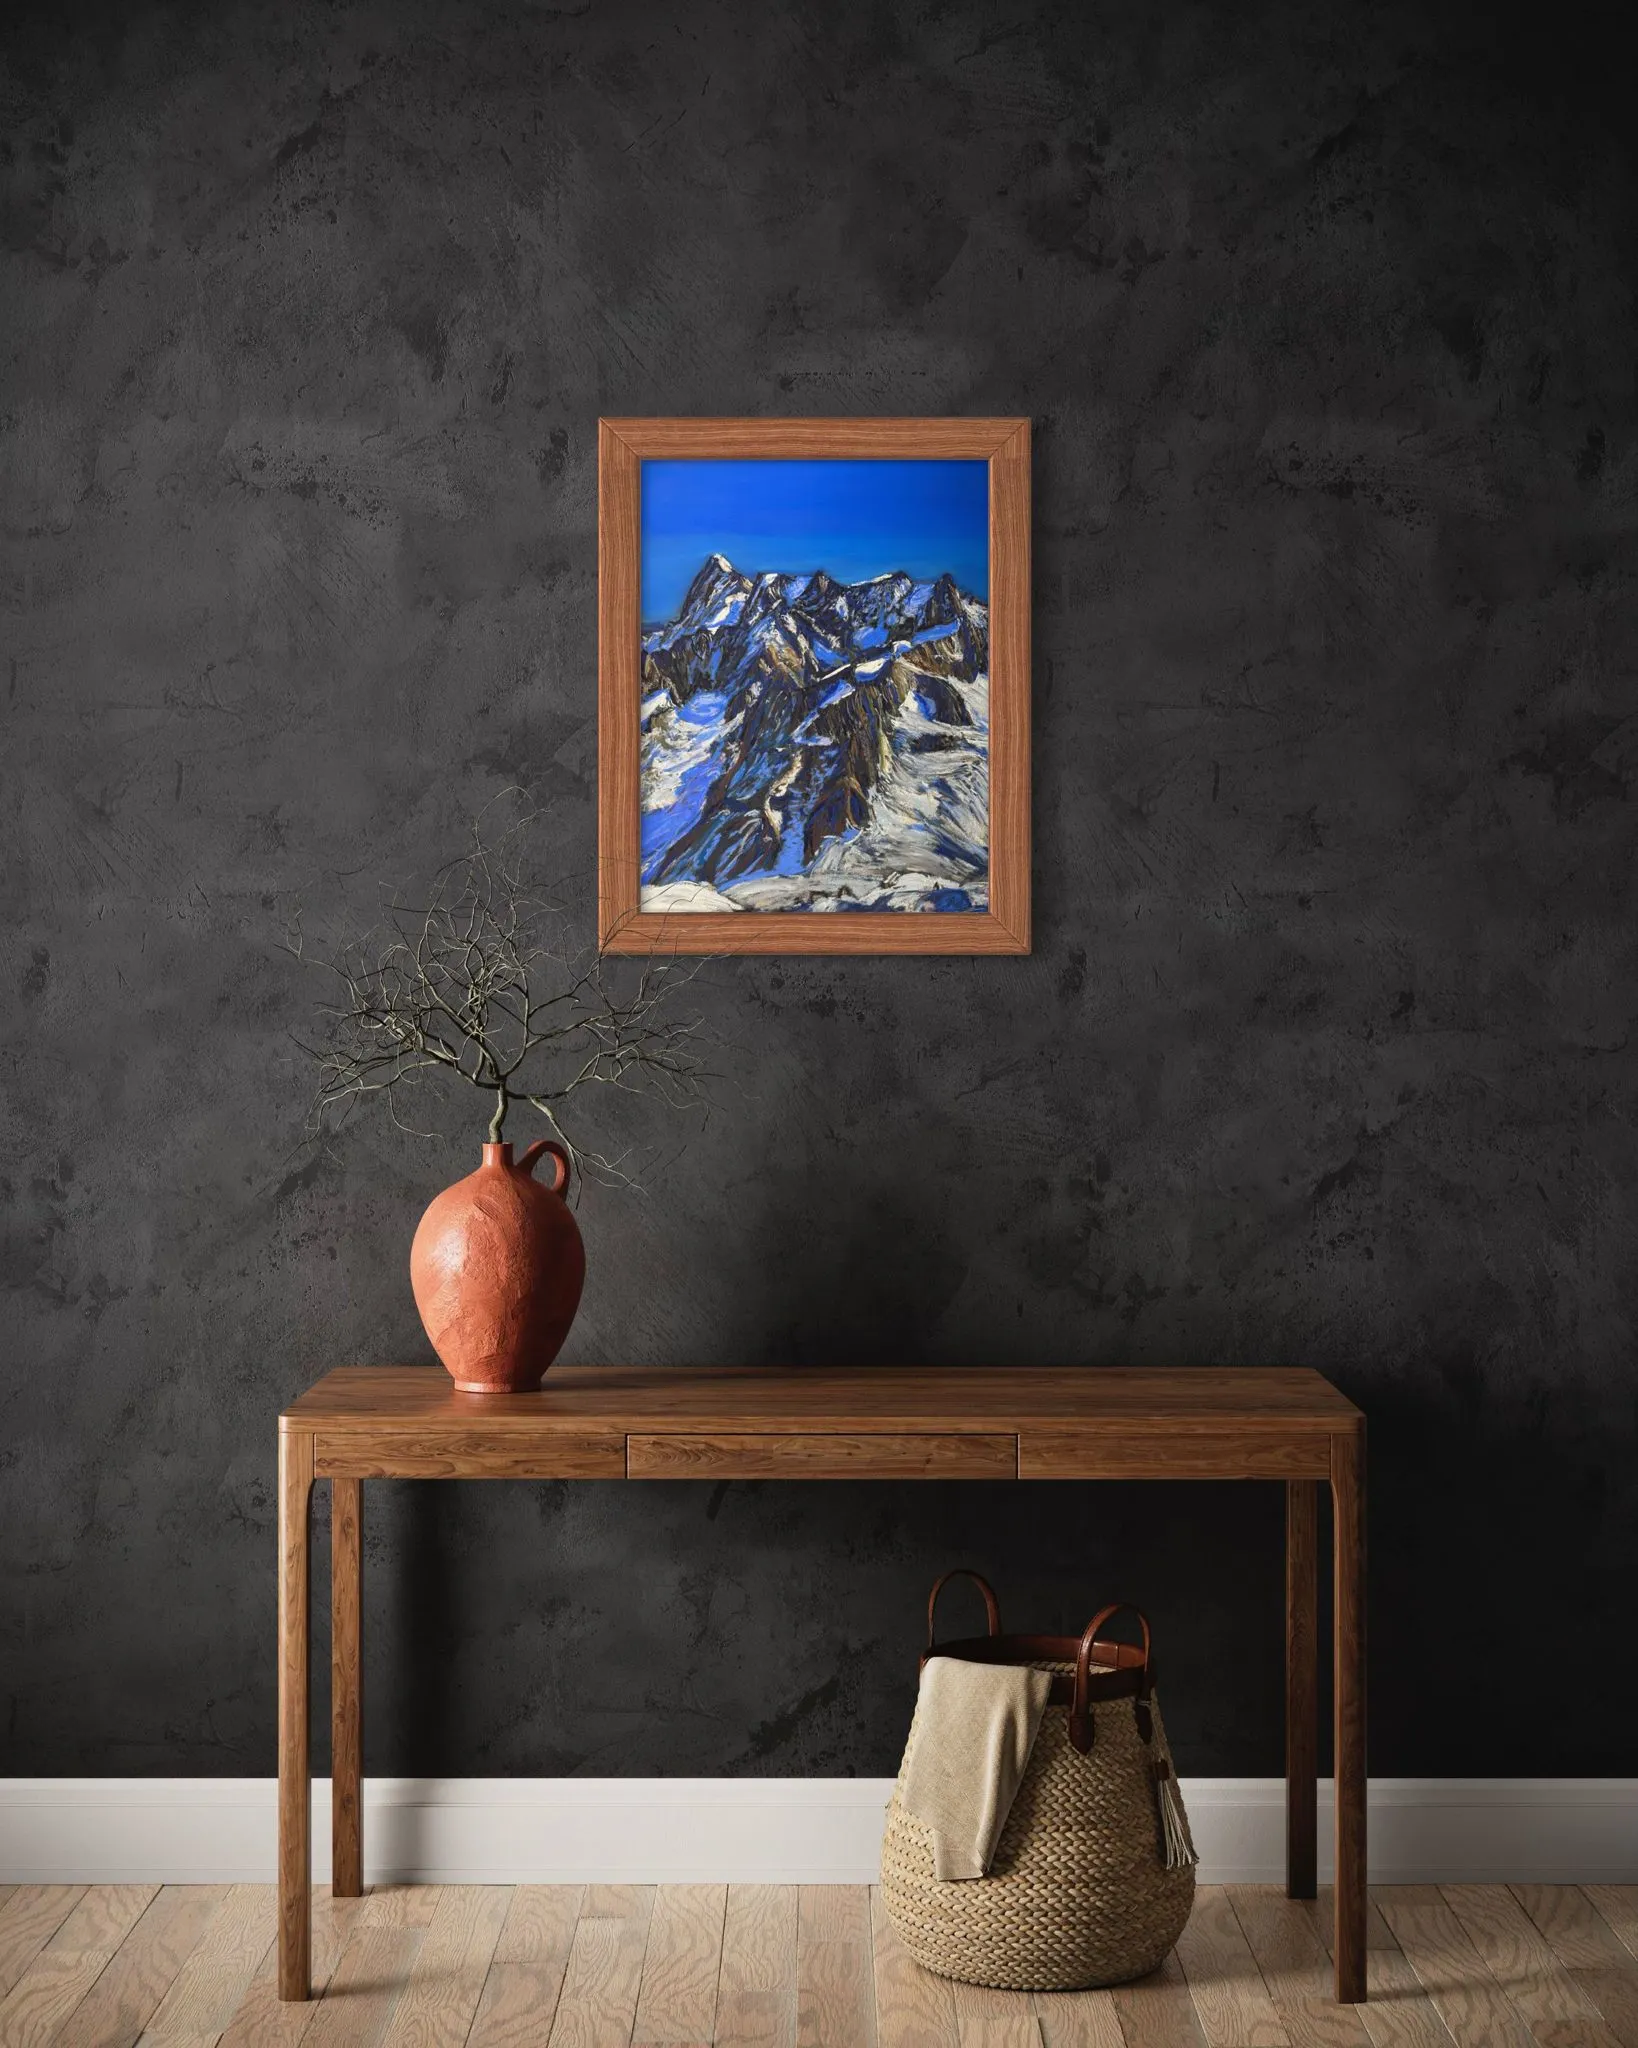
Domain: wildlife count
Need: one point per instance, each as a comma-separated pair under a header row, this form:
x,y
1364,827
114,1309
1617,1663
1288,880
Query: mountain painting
x,y
815,686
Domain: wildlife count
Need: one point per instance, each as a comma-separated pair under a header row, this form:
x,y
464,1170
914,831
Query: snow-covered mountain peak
x,y
818,744
714,598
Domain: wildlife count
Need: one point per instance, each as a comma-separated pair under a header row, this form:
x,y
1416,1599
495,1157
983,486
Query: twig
x,y
481,980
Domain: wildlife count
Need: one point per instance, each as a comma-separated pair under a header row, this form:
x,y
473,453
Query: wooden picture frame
x,y
623,926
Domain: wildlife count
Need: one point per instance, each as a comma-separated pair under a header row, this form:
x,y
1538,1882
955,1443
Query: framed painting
x,y
813,686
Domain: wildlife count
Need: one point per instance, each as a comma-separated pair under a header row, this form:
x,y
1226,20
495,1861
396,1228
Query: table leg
x,y
1348,1544
1301,1687
295,1770
346,1690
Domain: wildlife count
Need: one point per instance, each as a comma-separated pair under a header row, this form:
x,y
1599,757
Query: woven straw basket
x,y
1093,1877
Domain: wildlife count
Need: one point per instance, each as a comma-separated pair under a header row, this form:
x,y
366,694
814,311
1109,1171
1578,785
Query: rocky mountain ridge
x,y
812,744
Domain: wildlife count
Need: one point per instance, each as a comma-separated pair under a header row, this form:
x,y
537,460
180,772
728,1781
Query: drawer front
x,y
821,1455
1171,1453
467,1454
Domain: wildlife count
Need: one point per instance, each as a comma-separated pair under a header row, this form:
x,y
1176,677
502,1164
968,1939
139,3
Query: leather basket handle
x,y
992,1607
1080,1717
560,1159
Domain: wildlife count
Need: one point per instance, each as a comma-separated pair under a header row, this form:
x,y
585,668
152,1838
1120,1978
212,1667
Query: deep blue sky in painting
x,y
856,519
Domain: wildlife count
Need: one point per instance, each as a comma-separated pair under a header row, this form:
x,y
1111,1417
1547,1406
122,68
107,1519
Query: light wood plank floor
x,y
777,1966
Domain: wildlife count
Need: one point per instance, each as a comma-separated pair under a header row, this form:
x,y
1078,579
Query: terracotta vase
x,y
497,1266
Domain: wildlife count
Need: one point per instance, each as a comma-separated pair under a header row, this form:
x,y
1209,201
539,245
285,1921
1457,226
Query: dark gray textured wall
x,y
1325,317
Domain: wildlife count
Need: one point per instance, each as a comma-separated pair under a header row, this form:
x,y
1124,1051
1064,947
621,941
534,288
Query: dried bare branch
x,y
481,980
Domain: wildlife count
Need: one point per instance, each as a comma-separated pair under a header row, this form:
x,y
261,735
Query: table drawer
x,y
821,1455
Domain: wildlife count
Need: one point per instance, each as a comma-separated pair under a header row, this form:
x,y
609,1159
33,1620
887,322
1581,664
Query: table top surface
x,y
830,1398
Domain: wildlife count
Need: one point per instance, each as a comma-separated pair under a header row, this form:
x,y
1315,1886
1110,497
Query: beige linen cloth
x,y
975,1726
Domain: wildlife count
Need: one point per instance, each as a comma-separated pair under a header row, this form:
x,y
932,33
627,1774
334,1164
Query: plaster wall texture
x,y
1325,319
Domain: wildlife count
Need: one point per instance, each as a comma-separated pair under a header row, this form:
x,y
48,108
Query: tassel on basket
x,y
1177,1843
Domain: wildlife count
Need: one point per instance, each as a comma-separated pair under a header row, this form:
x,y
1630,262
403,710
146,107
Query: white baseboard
x,y
768,1830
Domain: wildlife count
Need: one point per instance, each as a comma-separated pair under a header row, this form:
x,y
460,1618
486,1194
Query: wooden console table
x,y
611,1422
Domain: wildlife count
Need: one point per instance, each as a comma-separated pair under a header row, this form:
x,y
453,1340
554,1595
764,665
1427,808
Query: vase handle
x,y
560,1160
